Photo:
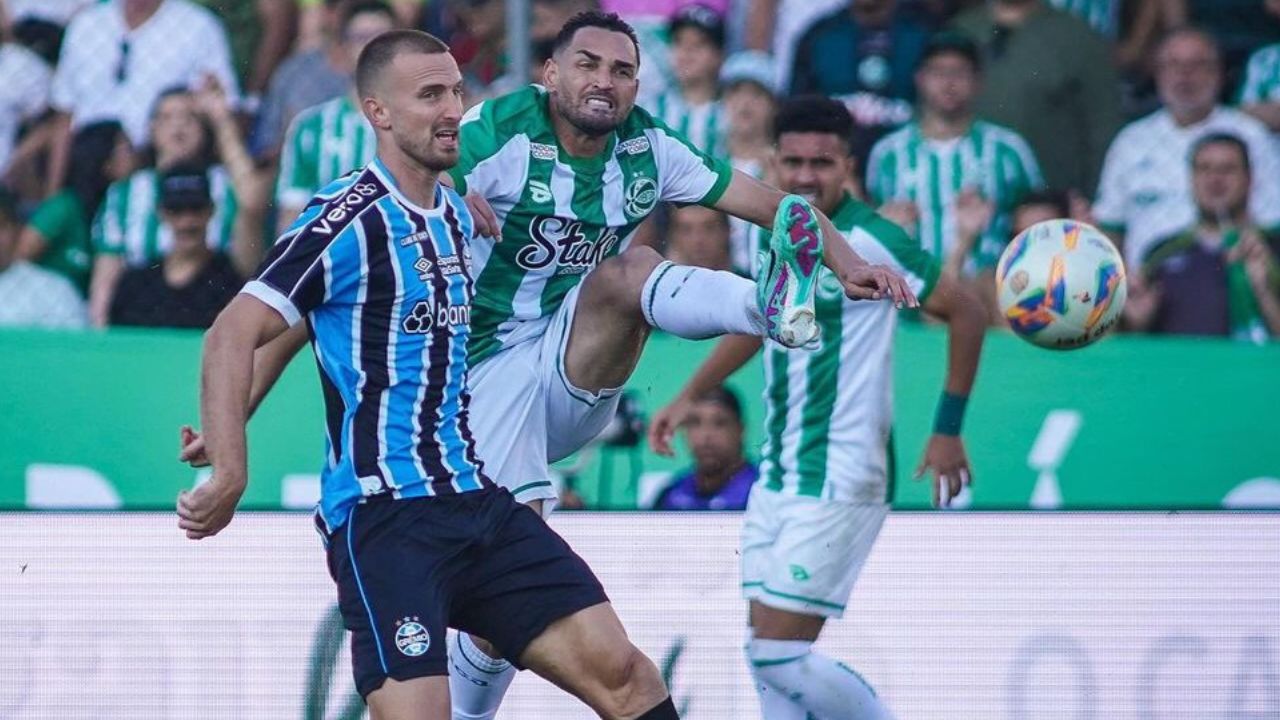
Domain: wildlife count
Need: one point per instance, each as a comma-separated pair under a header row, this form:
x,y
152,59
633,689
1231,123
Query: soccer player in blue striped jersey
x,y
418,538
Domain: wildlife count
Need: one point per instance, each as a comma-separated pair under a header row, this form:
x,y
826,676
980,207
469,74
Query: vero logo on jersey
x,y
339,213
564,243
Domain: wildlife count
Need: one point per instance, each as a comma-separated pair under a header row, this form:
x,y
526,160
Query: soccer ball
x,y
1061,284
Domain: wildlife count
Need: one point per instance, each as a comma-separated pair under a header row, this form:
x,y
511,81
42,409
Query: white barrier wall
x,y
1023,616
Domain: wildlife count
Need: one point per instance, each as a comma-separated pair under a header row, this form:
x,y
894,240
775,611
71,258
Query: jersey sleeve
x,y
881,242
53,219
491,162
299,166
686,174
1260,79
297,275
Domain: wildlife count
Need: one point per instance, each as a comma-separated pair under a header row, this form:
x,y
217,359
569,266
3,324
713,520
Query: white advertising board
x,y
956,616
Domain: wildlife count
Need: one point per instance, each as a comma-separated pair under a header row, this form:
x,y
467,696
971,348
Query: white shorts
x,y
525,414
802,554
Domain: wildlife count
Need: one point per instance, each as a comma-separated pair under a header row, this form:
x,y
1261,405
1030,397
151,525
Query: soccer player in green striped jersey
x,y
827,473
920,173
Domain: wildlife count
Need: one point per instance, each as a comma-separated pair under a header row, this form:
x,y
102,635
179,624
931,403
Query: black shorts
x,y
477,561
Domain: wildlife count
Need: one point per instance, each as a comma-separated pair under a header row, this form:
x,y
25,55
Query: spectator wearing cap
x,y
119,56
722,476
949,178
1049,77
191,285
1260,91
31,296
1145,191
692,106
329,140
863,55
57,235
1220,275
748,95
187,129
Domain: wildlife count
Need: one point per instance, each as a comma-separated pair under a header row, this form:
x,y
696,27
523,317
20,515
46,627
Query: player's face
x,y
1188,75
593,81
694,56
815,166
176,130
699,236
420,102
947,84
749,107
1220,180
715,437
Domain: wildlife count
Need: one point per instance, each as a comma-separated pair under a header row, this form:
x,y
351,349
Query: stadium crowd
x,y
131,129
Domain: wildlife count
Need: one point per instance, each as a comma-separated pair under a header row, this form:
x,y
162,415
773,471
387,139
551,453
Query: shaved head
x,y
378,55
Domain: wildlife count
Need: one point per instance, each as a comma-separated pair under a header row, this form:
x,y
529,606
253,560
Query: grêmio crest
x,y
574,247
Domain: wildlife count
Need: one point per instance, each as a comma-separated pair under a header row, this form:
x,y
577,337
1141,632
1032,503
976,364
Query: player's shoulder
x,y
519,111
335,208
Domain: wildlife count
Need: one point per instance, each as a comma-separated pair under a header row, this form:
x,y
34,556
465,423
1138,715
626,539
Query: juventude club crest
x,y
640,197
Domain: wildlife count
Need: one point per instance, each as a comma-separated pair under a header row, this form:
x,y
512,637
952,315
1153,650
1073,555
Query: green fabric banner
x,y
91,420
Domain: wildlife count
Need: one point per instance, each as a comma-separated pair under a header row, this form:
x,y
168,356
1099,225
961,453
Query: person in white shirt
x,y
31,296
119,56
1145,191
24,94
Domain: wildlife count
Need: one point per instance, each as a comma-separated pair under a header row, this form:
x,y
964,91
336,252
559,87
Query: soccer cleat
x,y
785,288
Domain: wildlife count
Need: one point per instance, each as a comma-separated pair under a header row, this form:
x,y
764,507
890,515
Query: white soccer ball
x,y
1061,284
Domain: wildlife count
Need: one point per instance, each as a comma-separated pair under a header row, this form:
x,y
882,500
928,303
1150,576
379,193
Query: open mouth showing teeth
x,y
447,135
599,103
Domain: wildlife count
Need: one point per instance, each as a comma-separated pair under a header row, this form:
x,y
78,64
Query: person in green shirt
x,y
57,235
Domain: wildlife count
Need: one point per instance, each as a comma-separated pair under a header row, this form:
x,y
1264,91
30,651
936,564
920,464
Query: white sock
x,y
477,682
827,689
697,303
773,704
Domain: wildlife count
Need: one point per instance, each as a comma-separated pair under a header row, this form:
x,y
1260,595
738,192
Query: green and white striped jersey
x,y
128,222
1102,15
706,126
323,143
561,215
829,407
905,165
1262,76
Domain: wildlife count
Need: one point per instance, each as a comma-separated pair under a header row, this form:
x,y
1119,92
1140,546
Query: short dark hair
x,y
363,7
951,43
595,19
725,398
382,50
813,114
1222,138
1058,199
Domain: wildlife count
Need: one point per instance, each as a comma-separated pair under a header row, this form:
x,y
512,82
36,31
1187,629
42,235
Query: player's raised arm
x,y
226,378
945,456
753,200
730,354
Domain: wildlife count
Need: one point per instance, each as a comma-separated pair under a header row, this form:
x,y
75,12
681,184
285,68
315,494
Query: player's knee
x,y
629,683
619,280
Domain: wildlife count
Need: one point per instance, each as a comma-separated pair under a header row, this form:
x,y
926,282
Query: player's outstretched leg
x,y
784,664
588,654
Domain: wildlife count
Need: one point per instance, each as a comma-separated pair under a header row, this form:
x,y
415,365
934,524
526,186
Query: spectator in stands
x,y
24,96
1260,92
1219,276
326,141
31,296
260,34
775,27
692,105
699,236
1145,191
1049,78
316,76
865,56
192,283
747,86
57,235
1239,27
187,129
119,56
721,477
949,178
481,50
316,18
